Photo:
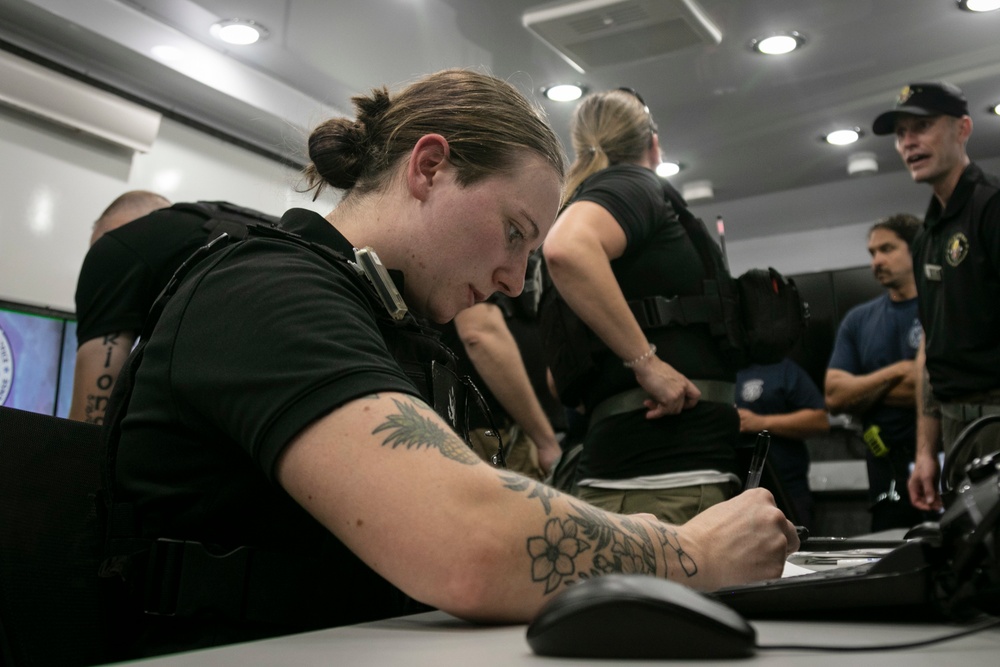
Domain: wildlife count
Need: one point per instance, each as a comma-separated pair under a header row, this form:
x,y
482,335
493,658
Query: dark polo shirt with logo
x,y
956,262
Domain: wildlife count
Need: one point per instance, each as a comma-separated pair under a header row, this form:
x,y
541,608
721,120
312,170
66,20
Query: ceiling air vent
x,y
598,33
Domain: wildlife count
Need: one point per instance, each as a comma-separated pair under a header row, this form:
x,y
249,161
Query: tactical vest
x,y
164,577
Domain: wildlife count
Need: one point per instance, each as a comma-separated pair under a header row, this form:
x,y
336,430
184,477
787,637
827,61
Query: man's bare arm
x,y
98,362
799,424
494,352
924,481
402,491
892,385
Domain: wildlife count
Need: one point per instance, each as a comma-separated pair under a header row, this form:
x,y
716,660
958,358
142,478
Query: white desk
x,y
436,639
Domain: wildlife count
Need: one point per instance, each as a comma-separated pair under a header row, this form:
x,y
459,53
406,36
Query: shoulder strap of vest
x,y
706,308
221,217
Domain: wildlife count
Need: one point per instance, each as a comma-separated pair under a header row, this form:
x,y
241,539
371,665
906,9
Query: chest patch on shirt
x,y
957,249
915,334
752,390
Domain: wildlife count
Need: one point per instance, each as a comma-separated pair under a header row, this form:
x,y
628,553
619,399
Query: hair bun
x,y
337,149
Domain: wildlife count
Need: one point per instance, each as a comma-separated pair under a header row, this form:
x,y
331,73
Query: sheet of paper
x,y
793,570
840,557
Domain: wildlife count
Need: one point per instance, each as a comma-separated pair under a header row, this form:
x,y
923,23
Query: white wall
x,y
55,182
826,226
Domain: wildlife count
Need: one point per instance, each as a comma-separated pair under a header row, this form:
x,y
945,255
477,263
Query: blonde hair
x,y
607,128
486,122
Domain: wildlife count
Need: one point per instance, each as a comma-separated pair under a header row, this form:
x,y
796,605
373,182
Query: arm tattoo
x,y
931,406
588,543
538,490
413,430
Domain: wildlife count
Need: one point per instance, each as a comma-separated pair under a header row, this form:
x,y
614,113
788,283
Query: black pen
x,y
757,462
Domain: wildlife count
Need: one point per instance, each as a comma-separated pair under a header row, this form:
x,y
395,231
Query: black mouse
x,y
638,616
928,530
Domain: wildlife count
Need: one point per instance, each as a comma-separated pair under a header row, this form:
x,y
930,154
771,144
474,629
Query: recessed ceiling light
x,y
996,109
238,31
843,137
167,53
979,5
693,190
668,169
778,43
563,92
863,163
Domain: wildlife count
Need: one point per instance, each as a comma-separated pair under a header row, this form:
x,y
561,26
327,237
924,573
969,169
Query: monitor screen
x,y
37,355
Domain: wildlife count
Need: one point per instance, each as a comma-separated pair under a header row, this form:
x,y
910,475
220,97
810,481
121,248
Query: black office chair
x,y
50,542
951,474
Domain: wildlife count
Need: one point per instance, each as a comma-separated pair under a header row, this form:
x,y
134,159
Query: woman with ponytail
x,y
662,427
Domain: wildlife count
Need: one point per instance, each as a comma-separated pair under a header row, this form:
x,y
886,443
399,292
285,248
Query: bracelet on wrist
x,y
641,358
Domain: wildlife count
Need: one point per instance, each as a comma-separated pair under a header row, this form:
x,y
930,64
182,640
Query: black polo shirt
x,y
956,263
261,339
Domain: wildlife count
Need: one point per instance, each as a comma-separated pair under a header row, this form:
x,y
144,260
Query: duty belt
x,y
716,391
964,412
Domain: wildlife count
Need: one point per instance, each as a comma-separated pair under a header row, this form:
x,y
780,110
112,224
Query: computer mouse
x,y
638,616
928,530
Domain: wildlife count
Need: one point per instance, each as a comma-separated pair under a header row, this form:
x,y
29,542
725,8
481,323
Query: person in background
x,y
956,261
782,399
486,345
103,340
871,373
126,208
663,430
280,418
123,272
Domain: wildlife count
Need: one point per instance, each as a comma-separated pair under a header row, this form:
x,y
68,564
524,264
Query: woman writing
x,y
303,441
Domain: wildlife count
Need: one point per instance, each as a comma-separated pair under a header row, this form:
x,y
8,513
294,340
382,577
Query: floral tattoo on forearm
x,y
583,544
588,544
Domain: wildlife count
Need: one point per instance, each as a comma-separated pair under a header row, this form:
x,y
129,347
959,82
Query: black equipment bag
x,y
773,314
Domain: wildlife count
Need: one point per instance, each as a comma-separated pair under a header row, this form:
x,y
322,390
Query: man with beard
x,y
871,374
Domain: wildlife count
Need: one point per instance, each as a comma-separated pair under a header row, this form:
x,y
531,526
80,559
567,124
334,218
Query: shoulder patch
x,y
752,390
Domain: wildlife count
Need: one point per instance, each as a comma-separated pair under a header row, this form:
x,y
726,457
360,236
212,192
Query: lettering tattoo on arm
x,y
587,543
97,402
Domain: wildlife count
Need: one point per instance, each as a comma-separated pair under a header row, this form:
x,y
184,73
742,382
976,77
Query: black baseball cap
x,y
924,99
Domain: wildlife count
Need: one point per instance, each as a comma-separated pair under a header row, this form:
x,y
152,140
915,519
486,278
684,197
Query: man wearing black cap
x,y
956,262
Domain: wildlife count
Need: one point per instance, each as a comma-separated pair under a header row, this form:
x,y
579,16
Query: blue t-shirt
x,y
873,335
777,389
